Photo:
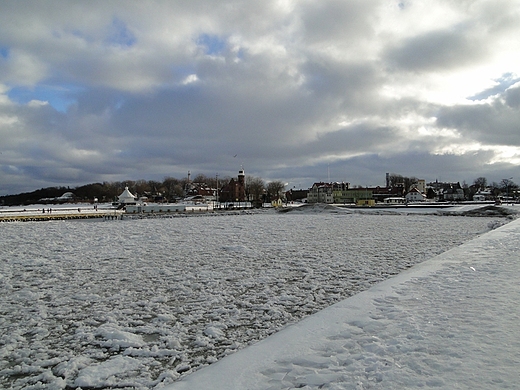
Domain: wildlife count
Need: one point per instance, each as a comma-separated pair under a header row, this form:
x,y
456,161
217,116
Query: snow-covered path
x,y
451,322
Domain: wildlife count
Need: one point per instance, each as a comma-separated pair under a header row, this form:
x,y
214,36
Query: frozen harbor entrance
x,y
143,303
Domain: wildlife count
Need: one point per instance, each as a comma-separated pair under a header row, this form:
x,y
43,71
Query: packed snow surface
x,y
140,303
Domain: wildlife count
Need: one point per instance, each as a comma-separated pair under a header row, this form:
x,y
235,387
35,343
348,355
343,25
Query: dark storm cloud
x,y
495,122
351,140
512,97
442,49
324,21
350,86
369,169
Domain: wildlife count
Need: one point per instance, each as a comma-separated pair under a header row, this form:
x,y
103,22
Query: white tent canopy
x,y
126,197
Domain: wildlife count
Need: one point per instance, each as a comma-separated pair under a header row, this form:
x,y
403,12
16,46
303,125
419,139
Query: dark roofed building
x,y
235,190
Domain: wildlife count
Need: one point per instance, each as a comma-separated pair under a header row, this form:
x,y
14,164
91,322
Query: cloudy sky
x,y
292,90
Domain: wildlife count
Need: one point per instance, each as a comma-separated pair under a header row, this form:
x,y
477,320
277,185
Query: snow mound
x,y
116,338
486,211
106,373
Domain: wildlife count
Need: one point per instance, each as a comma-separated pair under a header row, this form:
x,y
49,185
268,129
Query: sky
x,y
295,91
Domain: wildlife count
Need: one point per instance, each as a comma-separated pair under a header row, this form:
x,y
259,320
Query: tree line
x,y
505,187
170,189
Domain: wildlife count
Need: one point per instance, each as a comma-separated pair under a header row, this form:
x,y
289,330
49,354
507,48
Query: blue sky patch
x,y
120,34
503,83
4,52
241,53
180,72
214,45
60,98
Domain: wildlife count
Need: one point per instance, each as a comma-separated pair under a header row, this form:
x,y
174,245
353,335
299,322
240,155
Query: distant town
x,y
255,192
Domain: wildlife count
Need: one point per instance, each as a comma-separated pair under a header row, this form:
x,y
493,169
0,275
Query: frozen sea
x,y
142,303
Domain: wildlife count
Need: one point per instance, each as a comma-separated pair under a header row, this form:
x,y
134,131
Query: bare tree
x,y
211,181
409,182
480,183
506,183
168,185
154,186
200,178
255,187
274,189
508,187
495,189
395,179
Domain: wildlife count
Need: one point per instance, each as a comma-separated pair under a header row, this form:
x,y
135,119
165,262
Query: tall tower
x,y
241,177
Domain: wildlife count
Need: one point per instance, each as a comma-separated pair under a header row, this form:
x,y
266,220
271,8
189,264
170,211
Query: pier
x,y
34,215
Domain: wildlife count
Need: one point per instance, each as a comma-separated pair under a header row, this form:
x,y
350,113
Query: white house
x,y
483,196
414,195
453,194
320,193
66,196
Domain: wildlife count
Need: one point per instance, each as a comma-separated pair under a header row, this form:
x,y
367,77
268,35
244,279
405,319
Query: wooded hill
x,y
103,192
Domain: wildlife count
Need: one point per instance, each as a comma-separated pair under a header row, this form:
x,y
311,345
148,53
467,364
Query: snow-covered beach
x,y
145,303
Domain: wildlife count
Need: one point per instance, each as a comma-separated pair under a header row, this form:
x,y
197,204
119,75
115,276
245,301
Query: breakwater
x,y
35,216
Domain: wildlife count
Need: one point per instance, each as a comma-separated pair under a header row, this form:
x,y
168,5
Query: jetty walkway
x,y
49,214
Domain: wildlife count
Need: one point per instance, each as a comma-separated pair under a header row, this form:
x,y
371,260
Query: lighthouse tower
x,y
235,190
241,177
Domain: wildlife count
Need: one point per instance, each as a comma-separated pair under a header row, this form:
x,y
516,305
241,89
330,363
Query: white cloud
x,y
37,103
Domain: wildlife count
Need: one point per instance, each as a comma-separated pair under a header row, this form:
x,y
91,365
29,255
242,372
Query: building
x,y
414,195
486,195
126,197
453,193
235,190
341,193
395,200
201,190
345,195
479,198
420,184
168,208
294,195
381,193
320,193
67,197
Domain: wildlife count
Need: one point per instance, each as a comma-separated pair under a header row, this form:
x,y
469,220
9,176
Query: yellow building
x,y
352,195
366,202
